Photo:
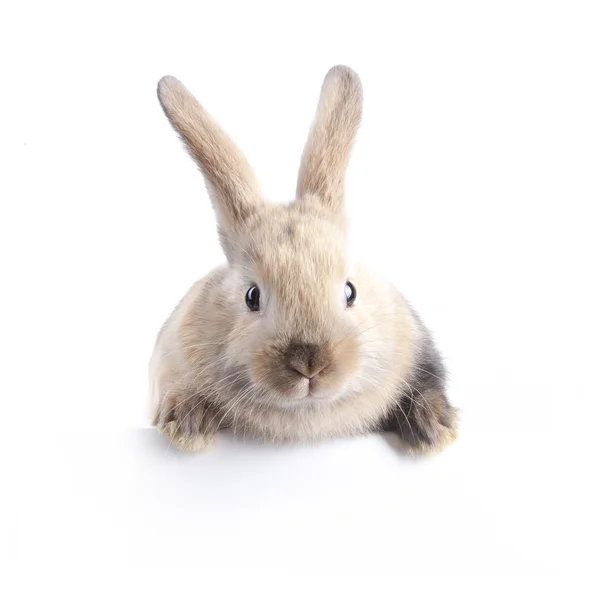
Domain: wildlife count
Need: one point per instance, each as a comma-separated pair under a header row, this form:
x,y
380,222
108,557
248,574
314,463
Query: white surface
x,y
474,186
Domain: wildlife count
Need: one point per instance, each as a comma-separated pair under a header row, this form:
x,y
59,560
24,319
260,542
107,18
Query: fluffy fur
x,y
305,366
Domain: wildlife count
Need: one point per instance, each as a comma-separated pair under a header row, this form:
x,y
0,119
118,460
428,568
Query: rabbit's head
x,y
303,328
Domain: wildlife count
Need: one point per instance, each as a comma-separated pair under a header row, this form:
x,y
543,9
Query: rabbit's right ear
x,y
231,184
327,150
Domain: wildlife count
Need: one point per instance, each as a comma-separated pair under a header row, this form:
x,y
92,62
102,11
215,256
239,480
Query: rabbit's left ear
x,y
327,150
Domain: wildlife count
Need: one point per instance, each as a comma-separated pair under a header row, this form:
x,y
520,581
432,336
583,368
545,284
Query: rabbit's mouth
x,y
311,382
318,389
298,372
312,397
294,389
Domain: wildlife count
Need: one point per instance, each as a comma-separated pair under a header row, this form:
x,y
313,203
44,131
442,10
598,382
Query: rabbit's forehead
x,y
299,247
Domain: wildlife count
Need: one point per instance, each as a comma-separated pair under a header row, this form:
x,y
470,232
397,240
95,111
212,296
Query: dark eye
x,y
350,293
253,298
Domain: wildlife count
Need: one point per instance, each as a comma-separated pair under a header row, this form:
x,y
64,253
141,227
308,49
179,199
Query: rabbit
x,y
289,341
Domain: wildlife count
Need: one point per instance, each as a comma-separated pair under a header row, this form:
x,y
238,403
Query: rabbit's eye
x,y
253,298
350,293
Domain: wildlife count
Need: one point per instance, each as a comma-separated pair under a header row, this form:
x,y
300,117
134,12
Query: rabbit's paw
x,y
425,421
187,442
189,429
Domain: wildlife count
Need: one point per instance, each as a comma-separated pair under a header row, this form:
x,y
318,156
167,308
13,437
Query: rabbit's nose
x,y
307,359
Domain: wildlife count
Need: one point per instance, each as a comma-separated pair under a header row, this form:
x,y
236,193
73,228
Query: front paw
x,y
185,440
189,425
425,421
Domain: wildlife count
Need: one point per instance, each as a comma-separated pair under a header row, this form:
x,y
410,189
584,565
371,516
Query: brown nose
x,y
307,359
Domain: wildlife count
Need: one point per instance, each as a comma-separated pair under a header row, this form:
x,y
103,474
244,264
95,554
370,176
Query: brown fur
x,y
217,364
330,140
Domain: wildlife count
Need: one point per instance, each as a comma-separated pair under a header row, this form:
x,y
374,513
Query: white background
x,y
474,187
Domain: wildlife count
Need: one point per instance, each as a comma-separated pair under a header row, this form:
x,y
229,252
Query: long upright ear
x,y
327,150
231,183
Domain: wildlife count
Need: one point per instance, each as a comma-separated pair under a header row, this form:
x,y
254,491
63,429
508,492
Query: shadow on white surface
x,y
126,500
